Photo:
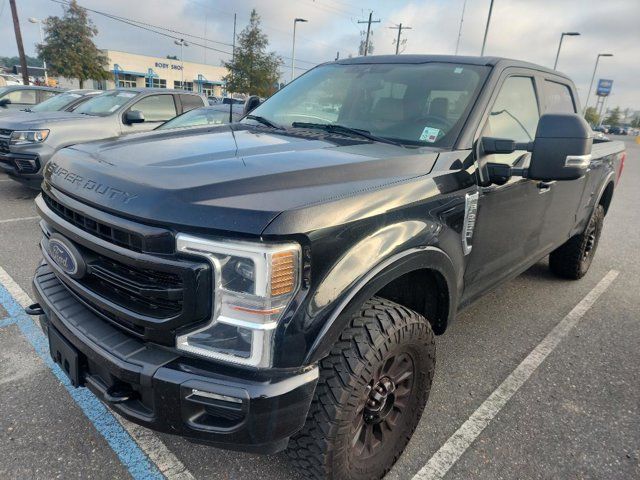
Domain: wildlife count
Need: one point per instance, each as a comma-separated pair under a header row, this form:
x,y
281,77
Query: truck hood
x,y
230,178
32,120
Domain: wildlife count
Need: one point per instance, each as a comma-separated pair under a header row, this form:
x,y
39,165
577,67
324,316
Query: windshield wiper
x,y
333,127
264,121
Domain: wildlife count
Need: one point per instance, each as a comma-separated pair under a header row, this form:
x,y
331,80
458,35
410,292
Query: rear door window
x,y
189,102
558,98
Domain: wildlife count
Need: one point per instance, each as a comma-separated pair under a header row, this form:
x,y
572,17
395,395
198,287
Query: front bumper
x,y
203,401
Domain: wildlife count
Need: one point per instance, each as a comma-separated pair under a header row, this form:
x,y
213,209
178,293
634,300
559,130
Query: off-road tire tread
x,y
566,260
366,335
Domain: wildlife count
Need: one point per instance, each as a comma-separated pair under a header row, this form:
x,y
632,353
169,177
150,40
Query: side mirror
x,y
133,116
251,104
562,148
4,102
560,151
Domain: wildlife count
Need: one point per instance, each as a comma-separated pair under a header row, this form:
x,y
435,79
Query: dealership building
x,y
132,70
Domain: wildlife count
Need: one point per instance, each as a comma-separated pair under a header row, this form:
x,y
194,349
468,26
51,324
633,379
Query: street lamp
x,y
293,50
569,34
586,104
182,44
44,64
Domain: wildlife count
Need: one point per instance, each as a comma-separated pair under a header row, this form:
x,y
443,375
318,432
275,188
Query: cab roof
x,y
459,59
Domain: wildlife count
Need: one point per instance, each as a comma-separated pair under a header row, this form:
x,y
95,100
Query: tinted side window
x,y
515,112
45,95
558,98
189,102
22,97
157,108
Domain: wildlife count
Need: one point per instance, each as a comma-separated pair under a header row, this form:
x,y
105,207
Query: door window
x,y
156,108
22,97
557,98
514,115
189,102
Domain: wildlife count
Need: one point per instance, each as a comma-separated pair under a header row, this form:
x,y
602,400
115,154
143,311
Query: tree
x,y
635,123
12,61
69,49
614,117
591,116
253,70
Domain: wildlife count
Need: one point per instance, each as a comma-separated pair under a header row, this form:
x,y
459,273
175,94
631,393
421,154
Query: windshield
x,y
3,90
413,104
105,104
55,103
198,117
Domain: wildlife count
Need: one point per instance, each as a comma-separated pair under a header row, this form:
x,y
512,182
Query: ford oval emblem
x,y
66,256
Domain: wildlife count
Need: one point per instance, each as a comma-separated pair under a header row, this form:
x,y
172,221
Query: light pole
x,y
586,104
44,64
486,29
569,34
182,44
293,50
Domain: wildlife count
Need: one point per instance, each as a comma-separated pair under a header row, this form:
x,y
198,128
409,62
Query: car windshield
x,y
55,103
412,104
198,117
106,103
3,90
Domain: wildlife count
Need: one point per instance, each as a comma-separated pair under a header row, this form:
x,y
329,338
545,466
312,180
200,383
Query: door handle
x,y
544,186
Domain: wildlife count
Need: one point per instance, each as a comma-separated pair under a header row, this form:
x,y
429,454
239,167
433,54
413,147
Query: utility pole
x,y
368,22
16,28
486,29
464,5
399,28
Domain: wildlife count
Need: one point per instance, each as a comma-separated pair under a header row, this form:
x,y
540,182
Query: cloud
x,y
523,29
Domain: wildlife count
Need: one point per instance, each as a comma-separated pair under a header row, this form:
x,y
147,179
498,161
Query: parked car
x,y
27,143
205,116
277,283
18,97
65,102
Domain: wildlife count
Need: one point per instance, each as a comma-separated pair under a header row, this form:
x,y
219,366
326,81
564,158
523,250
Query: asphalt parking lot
x,y
576,414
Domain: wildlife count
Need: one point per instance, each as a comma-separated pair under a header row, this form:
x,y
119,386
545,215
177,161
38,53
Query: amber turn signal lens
x,y
283,274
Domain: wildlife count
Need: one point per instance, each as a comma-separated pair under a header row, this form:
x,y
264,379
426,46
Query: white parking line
x,y
149,442
10,220
438,465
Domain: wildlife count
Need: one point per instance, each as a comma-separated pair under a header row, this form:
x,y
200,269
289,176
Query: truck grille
x,y
144,291
116,236
4,140
149,296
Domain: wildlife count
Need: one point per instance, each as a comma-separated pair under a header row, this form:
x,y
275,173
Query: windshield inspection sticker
x,y
429,134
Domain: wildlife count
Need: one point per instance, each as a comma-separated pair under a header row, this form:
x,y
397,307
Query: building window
x,y
127,81
156,83
177,84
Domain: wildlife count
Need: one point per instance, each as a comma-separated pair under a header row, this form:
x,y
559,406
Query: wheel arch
x,y
606,195
438,295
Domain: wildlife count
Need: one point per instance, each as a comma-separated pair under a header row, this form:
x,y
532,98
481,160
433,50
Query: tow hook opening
x,y
34,309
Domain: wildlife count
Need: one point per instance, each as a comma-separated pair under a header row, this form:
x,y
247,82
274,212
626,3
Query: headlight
x,y
24,137
253,284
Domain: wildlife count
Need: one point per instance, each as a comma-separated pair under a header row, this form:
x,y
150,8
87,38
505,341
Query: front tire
x,y
372,390
573,259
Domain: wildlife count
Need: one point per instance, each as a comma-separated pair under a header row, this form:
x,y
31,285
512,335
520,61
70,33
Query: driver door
x,y
510,217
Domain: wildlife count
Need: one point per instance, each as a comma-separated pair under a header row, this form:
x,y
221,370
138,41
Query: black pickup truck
x,y
278,282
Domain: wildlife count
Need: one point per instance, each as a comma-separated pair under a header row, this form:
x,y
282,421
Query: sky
x,y
522,29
